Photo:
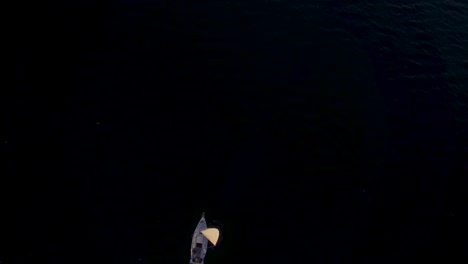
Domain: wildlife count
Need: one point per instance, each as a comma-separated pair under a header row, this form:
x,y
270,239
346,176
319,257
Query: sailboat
x,y
200,239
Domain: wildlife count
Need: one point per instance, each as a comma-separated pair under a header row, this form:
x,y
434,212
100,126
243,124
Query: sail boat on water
x,y
200,239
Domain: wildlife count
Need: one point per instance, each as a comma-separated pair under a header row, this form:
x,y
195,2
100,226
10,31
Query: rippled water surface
x,y
316,131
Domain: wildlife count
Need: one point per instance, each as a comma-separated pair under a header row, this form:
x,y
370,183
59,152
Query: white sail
x,y
212,234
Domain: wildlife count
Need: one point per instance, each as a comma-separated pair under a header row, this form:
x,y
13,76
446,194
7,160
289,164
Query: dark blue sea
x,y
318,131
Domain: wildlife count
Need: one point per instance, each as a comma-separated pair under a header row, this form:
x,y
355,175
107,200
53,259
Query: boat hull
x,y
199,243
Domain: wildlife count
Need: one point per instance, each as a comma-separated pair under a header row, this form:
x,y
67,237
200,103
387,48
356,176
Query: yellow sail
x,y
212,234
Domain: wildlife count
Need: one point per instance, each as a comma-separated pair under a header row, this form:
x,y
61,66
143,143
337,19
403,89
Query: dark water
x,y
321,132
